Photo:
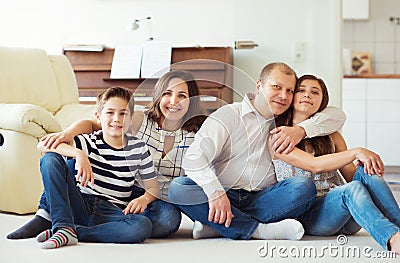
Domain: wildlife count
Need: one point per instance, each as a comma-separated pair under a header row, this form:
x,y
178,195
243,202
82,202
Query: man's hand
x,y
137,205
84,169
285,138
52,140
220,209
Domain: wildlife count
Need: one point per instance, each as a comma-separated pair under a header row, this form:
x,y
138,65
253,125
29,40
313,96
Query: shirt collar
x,y
248,107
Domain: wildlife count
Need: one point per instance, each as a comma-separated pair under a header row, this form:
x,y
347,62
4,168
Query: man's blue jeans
x,y
286,199
94,218
365,202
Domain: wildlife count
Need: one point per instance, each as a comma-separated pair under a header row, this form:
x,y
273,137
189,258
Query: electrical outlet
x,y
299,51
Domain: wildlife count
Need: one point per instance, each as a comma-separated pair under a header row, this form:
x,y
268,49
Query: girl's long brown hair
x,y
320,145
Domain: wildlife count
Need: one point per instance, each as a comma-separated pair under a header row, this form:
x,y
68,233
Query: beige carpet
x,y
182,248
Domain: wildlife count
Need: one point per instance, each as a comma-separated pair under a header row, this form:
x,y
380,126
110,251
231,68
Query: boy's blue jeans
x,y
286,199
365,202
94,218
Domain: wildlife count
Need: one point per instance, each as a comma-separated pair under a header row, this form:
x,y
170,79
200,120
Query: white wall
x,y
377,35
274,25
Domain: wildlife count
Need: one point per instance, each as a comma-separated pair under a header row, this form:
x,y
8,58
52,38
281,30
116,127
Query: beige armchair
x,y
38,95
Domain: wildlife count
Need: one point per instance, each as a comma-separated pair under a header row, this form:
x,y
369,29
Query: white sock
x,y
203,231
43,213
290,229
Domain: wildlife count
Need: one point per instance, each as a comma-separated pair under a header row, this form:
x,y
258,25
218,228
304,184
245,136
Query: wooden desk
x,y
209,65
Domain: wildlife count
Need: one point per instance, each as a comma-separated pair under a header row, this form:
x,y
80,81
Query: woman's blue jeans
x,y
365,202
94,218
286,199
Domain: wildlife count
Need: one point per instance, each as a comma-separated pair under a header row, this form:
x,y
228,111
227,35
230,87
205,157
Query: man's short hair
x,y
279,65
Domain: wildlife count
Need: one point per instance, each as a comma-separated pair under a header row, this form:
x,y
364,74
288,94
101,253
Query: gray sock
x,y
31,229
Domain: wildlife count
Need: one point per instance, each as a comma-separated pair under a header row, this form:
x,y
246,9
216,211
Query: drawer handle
x,y
1,139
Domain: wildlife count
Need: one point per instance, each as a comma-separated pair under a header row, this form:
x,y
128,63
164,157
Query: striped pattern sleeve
x,y
81,143
145,167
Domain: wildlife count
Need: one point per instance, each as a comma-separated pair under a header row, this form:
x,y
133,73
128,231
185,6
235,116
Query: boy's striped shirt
x,y
115,170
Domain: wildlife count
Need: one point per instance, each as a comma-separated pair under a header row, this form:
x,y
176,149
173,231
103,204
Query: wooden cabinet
x,y
211,67
372,107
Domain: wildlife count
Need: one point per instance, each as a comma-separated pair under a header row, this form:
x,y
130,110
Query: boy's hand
x,y
52,140
84,169
137,205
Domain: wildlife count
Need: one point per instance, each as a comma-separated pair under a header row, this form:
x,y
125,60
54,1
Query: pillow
x,y
28,118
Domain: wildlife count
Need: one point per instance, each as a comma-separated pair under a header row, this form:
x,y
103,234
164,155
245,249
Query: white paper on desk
x,y
156,59
126,62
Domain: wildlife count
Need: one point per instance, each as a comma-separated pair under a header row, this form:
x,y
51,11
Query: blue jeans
x,y
365,202
286,199
94,218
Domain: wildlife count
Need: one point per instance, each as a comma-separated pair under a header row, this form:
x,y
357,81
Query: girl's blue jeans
x,y
94,218
286,199
365,202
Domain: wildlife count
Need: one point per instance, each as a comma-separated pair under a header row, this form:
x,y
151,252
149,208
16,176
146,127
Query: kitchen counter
x,y
373,76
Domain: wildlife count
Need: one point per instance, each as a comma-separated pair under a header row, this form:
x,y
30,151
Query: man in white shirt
x,y
231,184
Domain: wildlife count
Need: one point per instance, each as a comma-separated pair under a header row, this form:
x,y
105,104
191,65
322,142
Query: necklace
x,y
167,133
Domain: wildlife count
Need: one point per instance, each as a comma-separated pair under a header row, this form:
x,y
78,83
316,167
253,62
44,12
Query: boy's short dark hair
x,y
116,91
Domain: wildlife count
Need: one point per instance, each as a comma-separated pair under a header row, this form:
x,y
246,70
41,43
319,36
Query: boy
x,y
112,207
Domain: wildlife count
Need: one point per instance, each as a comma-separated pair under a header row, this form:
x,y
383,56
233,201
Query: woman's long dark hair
x,y
195,115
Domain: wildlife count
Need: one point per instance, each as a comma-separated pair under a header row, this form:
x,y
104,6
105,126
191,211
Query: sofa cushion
x,y
65,77
27,77
29,119
72,112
